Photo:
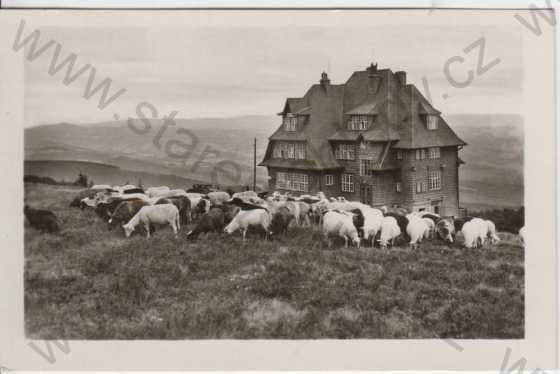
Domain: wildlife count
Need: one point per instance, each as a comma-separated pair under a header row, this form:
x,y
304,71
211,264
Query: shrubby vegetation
x,y
510,220
82,180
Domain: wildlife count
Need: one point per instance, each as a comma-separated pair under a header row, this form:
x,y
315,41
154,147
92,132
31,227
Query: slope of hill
x,y
491,177
101,173
205,142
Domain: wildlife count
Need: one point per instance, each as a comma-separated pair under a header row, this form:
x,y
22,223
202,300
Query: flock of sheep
x,y
136,209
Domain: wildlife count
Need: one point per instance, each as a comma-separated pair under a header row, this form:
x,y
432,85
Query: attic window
x,y
432,122
290,122
359,122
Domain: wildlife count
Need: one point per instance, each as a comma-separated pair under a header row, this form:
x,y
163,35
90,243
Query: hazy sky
x,y
208,71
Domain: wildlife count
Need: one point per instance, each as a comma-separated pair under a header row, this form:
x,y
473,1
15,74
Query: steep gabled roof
x,y
323,105
415,134
399,109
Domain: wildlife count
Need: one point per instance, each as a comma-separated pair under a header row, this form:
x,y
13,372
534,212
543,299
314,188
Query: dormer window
x,y
359,122
290,122
431,122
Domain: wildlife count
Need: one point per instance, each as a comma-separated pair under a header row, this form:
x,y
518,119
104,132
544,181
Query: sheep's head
x,y
127,230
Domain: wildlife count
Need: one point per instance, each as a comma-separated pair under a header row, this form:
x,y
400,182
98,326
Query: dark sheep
x,y
133,190
213,221
230,211
105,209
280,221
431,216
263,195
245,205
124,212
41,219
358,220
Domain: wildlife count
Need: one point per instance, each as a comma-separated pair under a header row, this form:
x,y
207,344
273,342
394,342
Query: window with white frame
x,y
292,181
432,122
290,122
434,153
366,167
420,154
284,150
347,183
359,122
345,152
400,154
434,179
398,186
329,180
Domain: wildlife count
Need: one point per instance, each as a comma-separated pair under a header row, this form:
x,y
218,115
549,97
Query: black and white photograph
x,y
286,182
282,176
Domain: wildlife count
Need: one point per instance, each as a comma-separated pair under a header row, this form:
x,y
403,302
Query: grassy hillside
x,y
87,283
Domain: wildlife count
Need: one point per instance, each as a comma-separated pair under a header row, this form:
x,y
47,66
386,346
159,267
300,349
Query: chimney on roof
x,y
374,79
325,81
401,77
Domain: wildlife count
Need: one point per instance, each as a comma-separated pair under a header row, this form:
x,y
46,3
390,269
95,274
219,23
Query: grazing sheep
x,y
154,214
41,219
213,221
445,229
416,229
491,235
471,234
482,230
372,223
246,218
431,227
124,212
340,224
390,230
281,219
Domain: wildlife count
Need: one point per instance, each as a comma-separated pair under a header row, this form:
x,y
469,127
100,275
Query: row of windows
x,y
300,182
432,153
348,152
357,122
292,181
295,151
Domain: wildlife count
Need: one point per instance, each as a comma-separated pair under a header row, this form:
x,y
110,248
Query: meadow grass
x,y
90,283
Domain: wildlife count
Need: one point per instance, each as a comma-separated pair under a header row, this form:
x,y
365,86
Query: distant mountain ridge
x,y
492,175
